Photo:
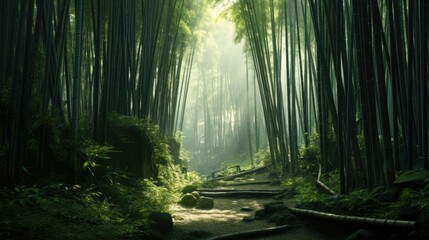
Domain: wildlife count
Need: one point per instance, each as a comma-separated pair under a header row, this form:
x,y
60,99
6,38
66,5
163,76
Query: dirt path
x,y
227,217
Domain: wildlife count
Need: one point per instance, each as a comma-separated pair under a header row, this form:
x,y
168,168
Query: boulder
x,y
205,203
161,221
189,189
188,200
412,179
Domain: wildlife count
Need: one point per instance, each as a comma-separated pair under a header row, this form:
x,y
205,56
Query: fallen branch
x,y
237,169
254,233
240,193
357,220
243,173
321,184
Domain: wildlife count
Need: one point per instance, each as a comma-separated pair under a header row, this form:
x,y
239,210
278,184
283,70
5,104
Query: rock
x,y
161,221
275,206
248,219
189,189
196,194
188,200
260,213
412,179
281,218
205,203
361,234
246,209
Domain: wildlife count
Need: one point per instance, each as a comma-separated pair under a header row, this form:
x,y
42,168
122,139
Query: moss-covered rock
x,y
189,189
275,212
276,206
414,178
188,200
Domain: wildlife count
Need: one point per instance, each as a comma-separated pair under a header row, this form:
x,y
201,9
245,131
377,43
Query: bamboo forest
x,y
214,119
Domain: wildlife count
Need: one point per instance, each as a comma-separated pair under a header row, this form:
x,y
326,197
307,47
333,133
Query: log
x,y
357,220
240,193
243,173
253,233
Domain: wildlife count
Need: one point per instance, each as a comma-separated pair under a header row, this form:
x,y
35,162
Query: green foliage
x,y
313,149
93,151
302,190
357,203
137,197
139,130
416,199
332,180
262,157
360,202
310,154
59,212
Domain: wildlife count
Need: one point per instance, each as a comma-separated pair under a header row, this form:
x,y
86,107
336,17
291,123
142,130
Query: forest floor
x,y
227,217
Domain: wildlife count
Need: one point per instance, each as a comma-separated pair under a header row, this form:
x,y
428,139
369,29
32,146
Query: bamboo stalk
x,y
357,220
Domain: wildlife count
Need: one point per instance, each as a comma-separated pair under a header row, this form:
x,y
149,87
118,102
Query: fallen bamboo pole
x,y
243,173
357,220
254,233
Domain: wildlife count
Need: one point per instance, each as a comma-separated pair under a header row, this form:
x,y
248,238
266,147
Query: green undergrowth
x,y
396,203
118,209
60,212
